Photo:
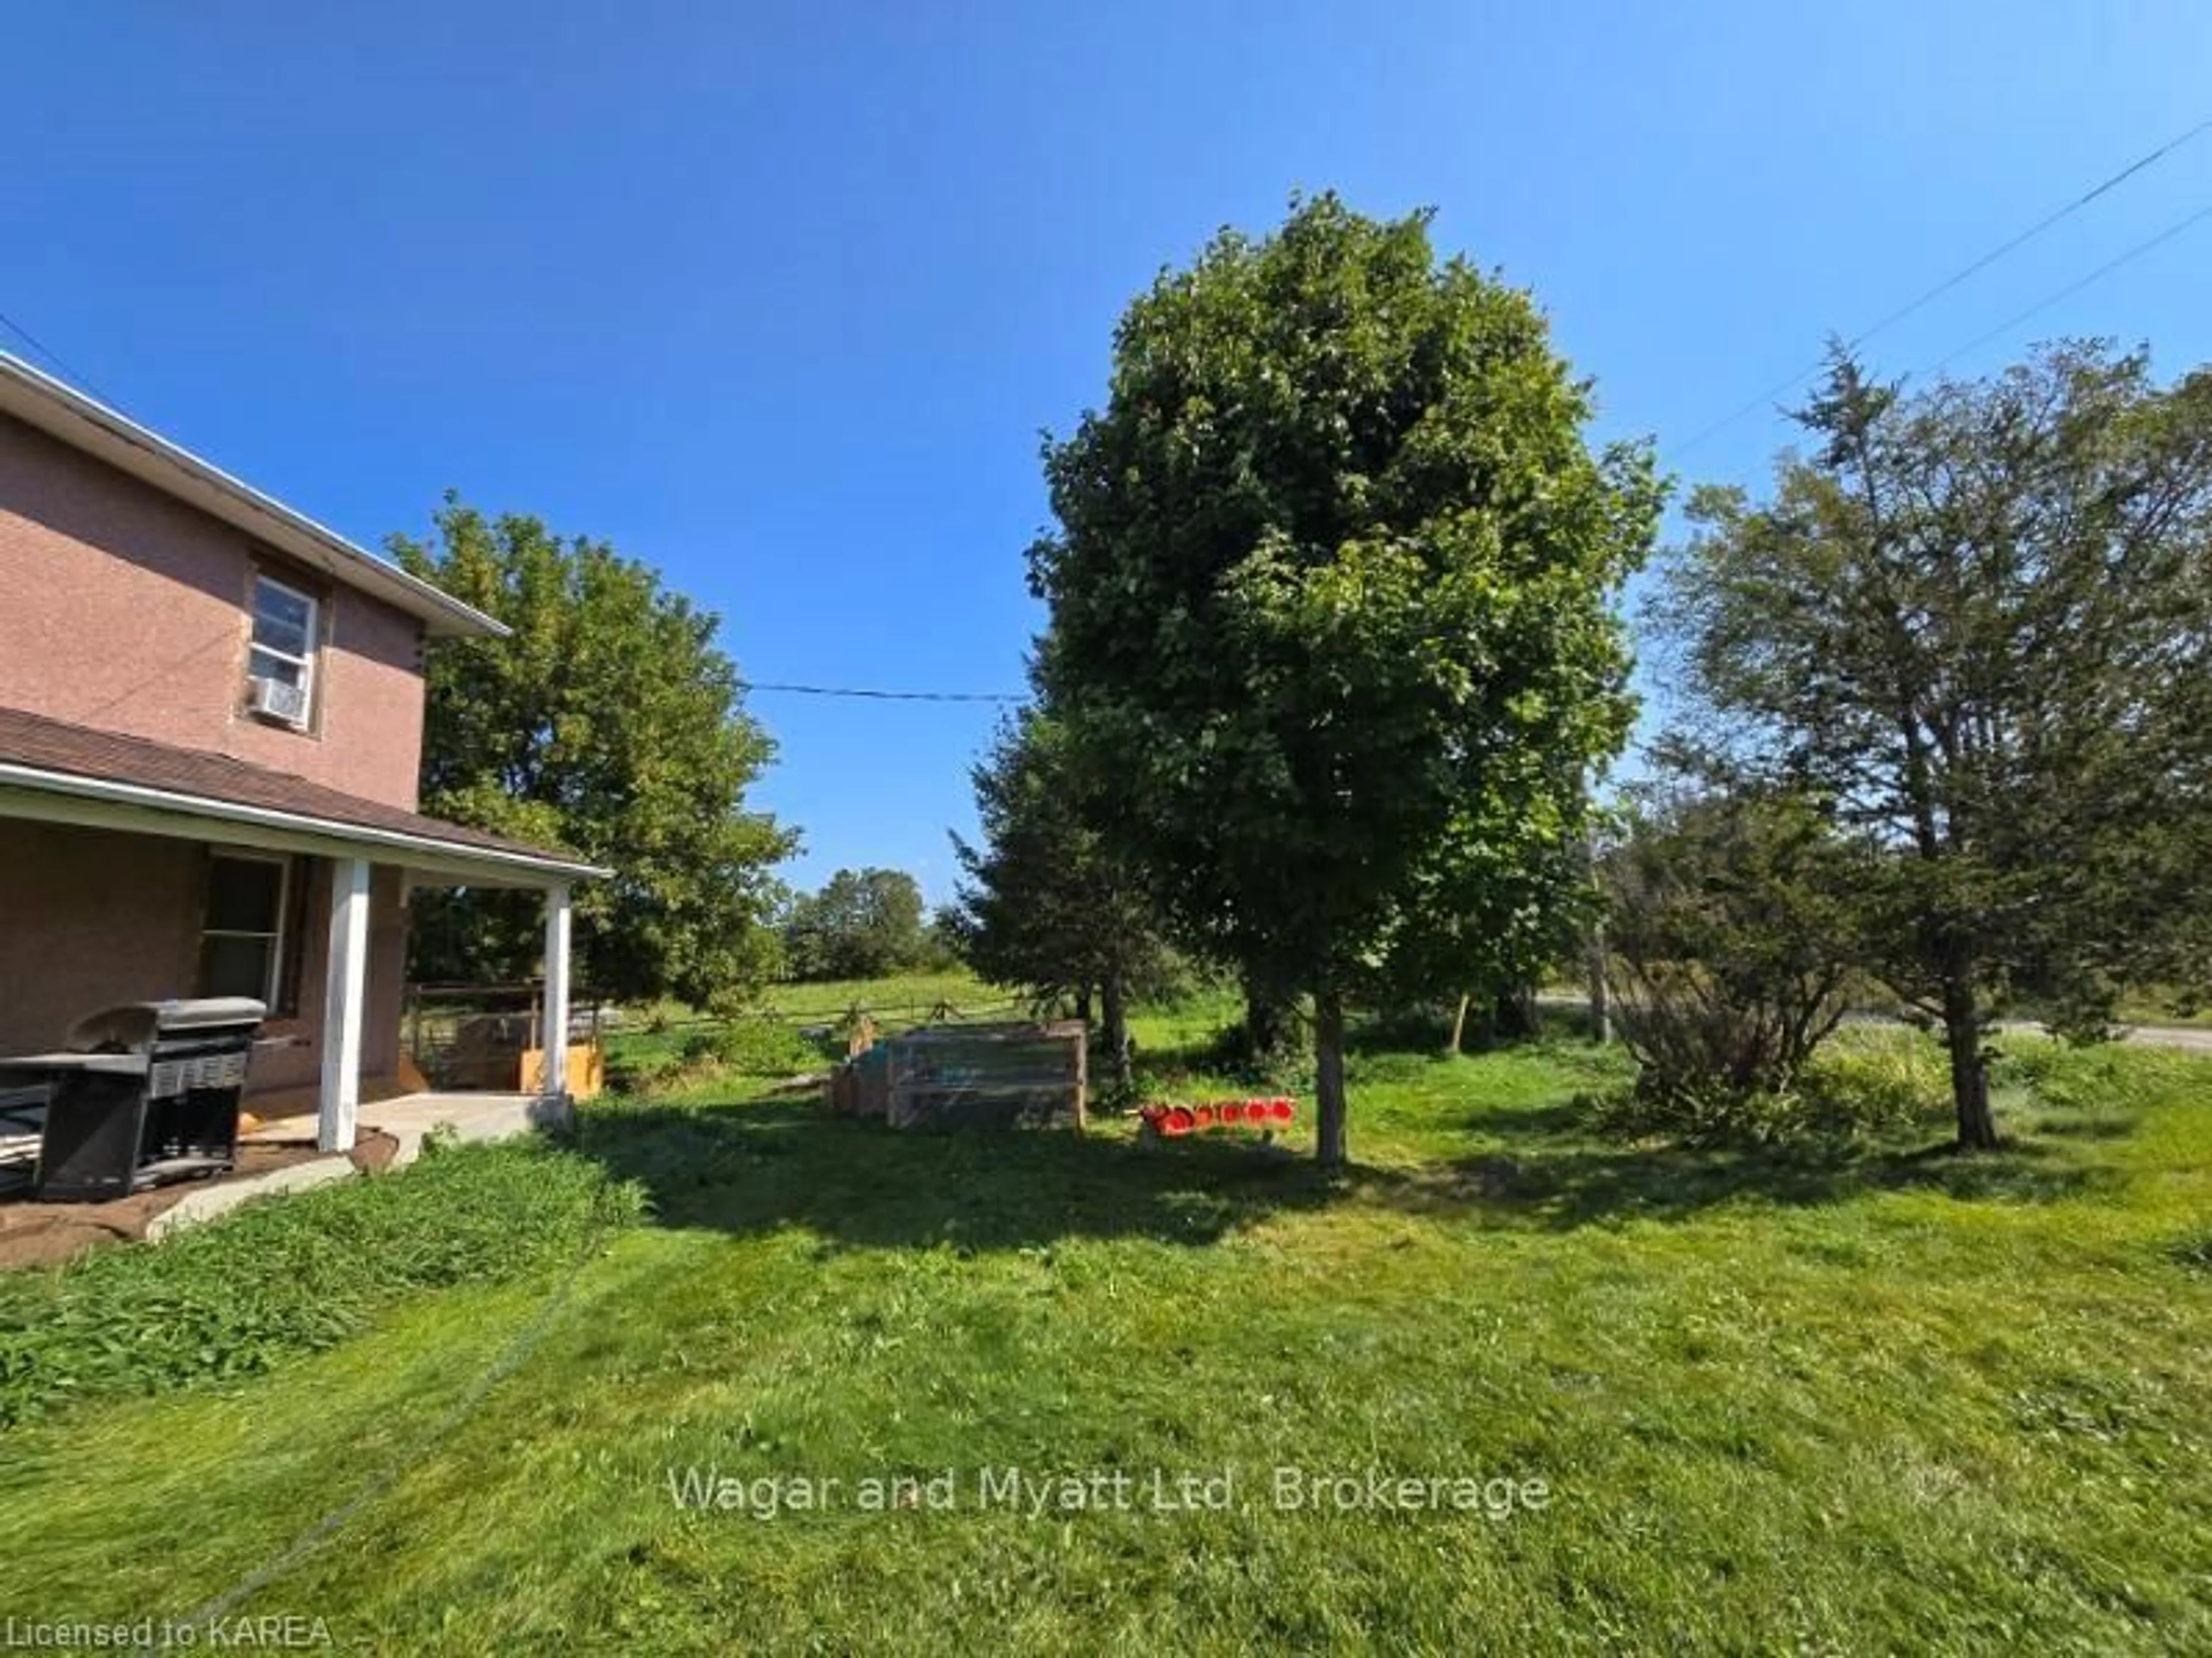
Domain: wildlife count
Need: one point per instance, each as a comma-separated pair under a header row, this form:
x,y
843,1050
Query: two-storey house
x,y
210,730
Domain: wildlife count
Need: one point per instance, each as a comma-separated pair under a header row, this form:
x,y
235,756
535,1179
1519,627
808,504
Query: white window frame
x,y
304,664
275,977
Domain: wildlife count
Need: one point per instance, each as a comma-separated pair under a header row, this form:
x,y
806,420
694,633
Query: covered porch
x,y
133,872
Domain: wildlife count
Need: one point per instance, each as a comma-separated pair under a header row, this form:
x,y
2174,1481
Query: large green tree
x,y
1978,619
863,924
1047,903
611,723
1330,594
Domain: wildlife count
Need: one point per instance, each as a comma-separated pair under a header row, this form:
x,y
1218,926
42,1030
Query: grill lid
x,y
134,1025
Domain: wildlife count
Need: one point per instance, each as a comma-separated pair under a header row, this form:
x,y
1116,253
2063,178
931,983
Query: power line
x,y
2072,288
2033,231
881,696
52,356
1955,279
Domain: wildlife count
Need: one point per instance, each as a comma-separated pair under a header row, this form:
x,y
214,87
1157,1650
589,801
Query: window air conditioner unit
x,y
275,700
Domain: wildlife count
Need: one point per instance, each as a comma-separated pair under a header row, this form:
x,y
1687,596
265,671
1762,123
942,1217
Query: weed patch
x,y
293,1274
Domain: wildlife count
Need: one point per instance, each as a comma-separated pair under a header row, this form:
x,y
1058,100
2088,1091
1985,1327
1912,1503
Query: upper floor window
x,y
281,664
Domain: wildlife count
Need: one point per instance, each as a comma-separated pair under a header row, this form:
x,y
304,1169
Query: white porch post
x,y
555,1034
345,980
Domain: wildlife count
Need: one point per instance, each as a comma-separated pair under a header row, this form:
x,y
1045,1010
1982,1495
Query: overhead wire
x,y
2073,287
1964,273
54,357
881,695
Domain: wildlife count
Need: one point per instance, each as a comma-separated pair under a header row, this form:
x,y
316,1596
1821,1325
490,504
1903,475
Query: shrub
x,y
1697,1113
740,1047
764,1048
1875,1087
1229,1053
294,1274
2096,1076
2085,1080
1727,964
639,1076
2031,1064
1857,1090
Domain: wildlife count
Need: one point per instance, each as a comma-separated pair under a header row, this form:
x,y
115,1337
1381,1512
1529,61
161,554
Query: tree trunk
x,y
1969,1072
1601,997
1119,1065
1458,1025
1329,1079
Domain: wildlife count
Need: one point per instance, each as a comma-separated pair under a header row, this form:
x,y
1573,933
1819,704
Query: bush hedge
x,y
1845,1091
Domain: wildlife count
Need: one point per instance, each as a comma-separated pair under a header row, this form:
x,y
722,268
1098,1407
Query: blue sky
x,y
779,297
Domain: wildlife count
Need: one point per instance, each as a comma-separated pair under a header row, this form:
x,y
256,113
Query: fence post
x,y
1082,1080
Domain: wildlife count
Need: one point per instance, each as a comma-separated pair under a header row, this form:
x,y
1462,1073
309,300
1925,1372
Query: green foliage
x,y
941,942
2105,1078
1885,1084
1048,904
764,1047
610,723
718,1054
1977,619
1330,606
1876,1089
1696,1111
1728,944
863,924
688,1052
239,1296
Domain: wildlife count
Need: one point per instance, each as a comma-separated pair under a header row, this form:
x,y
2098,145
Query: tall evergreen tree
x,y
1978,619
1048,904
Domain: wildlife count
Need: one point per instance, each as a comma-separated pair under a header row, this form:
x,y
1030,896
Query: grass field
x,y
1862,1400
658,1034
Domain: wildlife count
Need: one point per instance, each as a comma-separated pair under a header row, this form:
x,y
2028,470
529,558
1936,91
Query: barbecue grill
x,y
144,1094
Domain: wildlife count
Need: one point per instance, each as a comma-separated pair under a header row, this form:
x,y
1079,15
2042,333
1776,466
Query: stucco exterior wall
x,y
128,611
90,917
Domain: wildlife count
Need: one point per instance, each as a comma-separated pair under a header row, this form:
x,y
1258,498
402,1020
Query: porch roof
x,y
54,771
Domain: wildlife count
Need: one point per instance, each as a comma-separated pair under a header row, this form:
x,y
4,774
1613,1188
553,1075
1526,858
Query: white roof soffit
x,y
29,792
66,414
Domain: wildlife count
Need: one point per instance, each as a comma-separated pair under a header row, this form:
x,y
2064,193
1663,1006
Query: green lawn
x,y
658,1033
917,992
1862,1401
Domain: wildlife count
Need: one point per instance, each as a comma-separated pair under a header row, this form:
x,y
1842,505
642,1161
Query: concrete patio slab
x,y
411,1117
209,1201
